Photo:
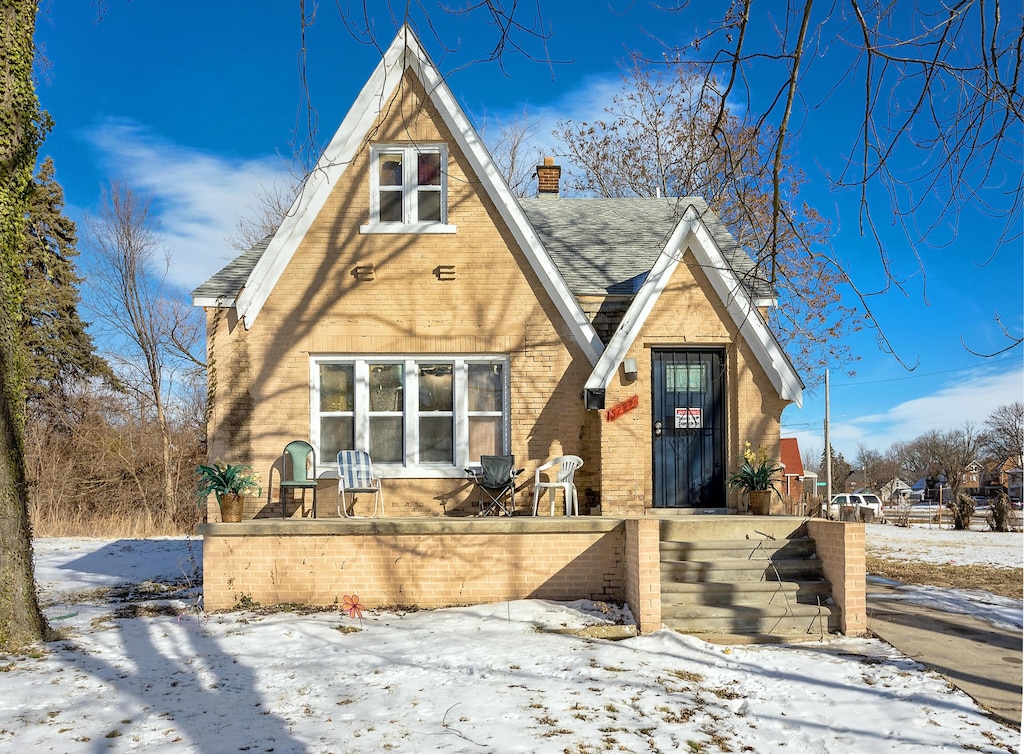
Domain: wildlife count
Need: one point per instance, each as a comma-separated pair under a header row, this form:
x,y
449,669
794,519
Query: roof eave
x,y
734,296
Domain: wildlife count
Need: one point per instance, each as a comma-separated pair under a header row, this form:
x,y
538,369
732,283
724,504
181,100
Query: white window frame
x,y
410,467
410,189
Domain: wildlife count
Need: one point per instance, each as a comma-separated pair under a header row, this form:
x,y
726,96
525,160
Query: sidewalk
x,y
981,659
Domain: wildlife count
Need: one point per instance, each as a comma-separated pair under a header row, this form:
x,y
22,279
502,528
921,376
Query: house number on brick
x,y
623,408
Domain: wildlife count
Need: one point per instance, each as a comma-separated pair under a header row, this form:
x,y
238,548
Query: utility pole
x,y
828,452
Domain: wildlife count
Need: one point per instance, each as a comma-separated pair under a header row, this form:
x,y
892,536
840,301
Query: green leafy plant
x,y
756,473
222,479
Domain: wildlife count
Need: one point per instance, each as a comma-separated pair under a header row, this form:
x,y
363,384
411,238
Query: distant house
x,y
793,466
409,305
895,490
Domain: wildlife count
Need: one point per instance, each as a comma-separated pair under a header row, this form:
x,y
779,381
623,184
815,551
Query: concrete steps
x,y
754,578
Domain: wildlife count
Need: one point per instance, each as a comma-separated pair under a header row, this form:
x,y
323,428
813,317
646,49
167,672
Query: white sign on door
x,y
689,418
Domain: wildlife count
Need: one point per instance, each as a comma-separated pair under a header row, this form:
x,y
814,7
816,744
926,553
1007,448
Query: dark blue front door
x,y
689,428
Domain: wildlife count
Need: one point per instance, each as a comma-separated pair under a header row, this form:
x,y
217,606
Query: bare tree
x,y
879,468
268,207
938,81
951,452
1004,433
515,152
153,331
660,139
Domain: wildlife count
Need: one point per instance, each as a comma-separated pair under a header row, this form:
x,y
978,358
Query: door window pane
x,y
485,387
686,378
386,387
337,387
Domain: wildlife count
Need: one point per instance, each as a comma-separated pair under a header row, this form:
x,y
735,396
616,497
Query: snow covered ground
x,y
143,669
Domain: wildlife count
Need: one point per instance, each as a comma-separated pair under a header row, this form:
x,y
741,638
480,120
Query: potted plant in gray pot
x,y
756,476
229,483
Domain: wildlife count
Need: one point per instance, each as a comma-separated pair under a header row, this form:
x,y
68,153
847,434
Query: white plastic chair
x,y
567,466
355,476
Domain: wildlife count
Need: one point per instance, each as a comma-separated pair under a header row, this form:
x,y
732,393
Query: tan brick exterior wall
x,y
415,569
840,545
495,305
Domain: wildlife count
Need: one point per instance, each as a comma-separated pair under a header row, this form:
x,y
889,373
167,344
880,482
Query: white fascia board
x,y
644,301
731,293
747,318
213,302
339,153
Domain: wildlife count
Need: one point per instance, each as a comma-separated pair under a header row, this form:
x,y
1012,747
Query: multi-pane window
x,y
431,415
408,186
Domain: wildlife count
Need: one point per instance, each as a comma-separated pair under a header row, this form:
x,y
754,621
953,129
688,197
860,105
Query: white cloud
x,y
970,398
198,197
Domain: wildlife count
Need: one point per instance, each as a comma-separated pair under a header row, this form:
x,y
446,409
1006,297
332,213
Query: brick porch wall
x,y
643,572
840,546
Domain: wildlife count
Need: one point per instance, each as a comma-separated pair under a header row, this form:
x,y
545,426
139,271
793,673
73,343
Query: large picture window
x,y
417,416
408,189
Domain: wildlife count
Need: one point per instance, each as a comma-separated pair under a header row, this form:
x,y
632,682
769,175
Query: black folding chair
x,y
496,485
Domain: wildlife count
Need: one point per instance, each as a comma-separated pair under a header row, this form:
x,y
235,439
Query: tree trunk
x,y
21,129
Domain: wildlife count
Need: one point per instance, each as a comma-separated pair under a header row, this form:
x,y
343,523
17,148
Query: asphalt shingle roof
x,y
229,280
607,246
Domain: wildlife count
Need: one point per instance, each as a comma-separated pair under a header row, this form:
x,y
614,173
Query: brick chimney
x,y
547,178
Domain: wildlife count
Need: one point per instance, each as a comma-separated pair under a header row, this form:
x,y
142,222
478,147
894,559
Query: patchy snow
x,y
930,543
492,678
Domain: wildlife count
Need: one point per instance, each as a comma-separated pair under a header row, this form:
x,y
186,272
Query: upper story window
x,y
408,189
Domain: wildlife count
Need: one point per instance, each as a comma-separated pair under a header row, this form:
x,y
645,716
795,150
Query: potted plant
x,y
228,483
756,476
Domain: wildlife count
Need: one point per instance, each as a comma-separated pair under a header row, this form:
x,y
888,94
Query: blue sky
x,y
198,104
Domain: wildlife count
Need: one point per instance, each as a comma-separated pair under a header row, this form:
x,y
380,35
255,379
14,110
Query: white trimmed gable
x,y
692,234
406,53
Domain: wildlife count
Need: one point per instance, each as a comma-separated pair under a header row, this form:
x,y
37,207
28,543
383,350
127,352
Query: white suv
x,y
856,502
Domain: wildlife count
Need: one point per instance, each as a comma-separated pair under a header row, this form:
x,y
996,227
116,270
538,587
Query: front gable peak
x,y
405,56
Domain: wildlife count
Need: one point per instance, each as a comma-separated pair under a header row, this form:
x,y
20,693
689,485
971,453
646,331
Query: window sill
x,y
396,228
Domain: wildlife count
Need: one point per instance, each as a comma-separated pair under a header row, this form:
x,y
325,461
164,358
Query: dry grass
x,y
1006,582
142,523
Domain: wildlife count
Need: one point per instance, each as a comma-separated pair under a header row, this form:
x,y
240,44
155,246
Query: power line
x,y
919,376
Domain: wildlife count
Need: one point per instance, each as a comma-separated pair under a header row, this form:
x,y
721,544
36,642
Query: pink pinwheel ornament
x,y
353,606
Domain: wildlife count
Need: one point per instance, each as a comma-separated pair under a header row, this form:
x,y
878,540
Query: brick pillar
x,y
840,545
643,572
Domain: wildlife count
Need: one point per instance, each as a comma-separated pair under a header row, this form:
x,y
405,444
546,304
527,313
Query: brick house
x,y
410,305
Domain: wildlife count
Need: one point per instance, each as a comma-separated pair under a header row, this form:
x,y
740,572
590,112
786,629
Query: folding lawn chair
x,y
355,477
496,485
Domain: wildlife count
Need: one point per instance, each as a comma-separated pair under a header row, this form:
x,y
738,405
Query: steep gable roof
x,y
693,233
404,54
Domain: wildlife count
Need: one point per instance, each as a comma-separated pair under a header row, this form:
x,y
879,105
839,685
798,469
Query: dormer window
x,y
408,189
